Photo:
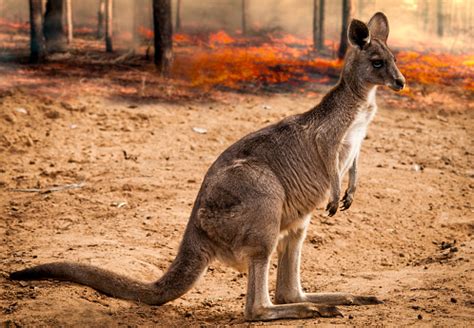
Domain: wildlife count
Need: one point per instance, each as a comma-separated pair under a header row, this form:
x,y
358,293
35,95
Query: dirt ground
x,y
408,237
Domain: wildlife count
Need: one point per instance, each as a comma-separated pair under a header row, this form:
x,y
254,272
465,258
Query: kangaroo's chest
x,y
354,137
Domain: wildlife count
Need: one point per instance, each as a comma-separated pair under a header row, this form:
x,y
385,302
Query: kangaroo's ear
x,y
378,26
359,34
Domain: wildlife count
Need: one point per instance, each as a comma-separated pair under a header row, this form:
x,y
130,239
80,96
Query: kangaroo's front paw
x,y
346,201
332,207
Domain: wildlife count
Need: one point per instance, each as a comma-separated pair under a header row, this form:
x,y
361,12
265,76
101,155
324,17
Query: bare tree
x,y
360,7
108,25
68,19
318,24
53,29
469,9
244,13
440,20
346,17
137,6
424,8
163,35
101,19
37,45
178,15
43,6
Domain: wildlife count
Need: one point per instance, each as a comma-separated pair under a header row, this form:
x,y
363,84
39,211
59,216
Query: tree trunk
x,y
68,19
53,27
137,19
318,24
244,16
468,11
43,6
178,15
346,18
108,25
439,13
425,8
163,35
322,15
360,8
37,45
101,19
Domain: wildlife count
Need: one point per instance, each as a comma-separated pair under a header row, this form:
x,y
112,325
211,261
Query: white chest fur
x,y
357,132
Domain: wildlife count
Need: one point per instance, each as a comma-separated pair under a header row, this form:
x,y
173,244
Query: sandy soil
x,y
408,237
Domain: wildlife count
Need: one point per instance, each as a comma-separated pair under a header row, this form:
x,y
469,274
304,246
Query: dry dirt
x,y
408,237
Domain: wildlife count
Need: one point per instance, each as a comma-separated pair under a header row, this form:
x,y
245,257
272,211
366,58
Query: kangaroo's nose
x,y
400,83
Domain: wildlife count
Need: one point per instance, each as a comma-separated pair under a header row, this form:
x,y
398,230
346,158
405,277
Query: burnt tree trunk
x,y
440,20
37,45
425,14
101,20
136,23
318,24
108,25
68,19
360,8
178,15
469,19
346,17
53,29
43,6
163,35
244,16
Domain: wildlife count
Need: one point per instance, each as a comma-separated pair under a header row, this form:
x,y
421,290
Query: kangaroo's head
x,y
370,61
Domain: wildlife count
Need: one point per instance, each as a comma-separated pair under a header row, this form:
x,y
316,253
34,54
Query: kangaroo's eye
x,y
377,63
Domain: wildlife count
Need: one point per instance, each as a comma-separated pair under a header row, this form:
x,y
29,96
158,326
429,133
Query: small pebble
x,y
200,130
453,300
351,317
420,317
21,110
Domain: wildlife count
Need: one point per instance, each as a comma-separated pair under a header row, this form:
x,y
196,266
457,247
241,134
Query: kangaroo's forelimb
x,y
351,189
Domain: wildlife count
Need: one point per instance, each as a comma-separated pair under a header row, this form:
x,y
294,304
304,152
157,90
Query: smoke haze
x,y
414,23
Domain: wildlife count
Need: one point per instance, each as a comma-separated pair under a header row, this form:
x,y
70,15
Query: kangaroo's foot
x,y
341,299
291,311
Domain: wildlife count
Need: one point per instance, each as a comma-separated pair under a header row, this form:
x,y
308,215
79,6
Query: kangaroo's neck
x,y
362,91
349,95
343,103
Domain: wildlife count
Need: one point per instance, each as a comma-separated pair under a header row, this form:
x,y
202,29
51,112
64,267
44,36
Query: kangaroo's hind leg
x,y
258,253
259,307
288,289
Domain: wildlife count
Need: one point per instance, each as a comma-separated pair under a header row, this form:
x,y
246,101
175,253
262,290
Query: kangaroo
x,y
258,195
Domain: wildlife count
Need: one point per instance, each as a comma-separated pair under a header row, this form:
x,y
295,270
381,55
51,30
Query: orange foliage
x,y
440,69
262,65
220,38
145,32
14,26
230,62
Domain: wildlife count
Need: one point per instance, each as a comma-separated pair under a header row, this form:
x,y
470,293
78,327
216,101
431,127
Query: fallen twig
x,y
50,189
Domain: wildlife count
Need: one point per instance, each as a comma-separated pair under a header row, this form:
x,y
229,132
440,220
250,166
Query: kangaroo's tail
x,y
188,266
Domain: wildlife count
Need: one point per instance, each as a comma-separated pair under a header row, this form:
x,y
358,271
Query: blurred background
x,y
245,45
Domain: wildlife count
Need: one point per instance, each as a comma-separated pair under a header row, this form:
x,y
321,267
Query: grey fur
x,y
259,193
